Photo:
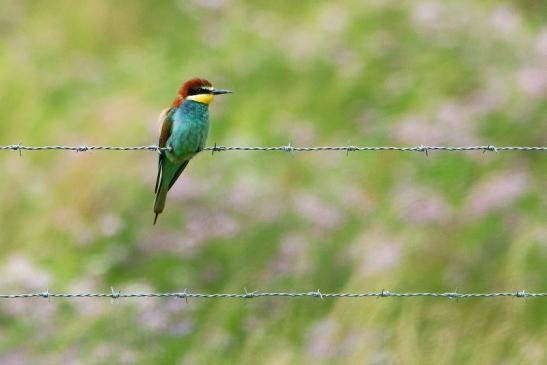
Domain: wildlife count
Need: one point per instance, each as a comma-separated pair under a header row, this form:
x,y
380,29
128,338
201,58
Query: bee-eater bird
x,y
184,130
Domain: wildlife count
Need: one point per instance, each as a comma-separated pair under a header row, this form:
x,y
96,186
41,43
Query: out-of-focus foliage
x,y
309,73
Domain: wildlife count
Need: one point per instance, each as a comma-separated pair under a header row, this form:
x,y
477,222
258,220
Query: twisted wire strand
x,y
288,148
83,148
256,294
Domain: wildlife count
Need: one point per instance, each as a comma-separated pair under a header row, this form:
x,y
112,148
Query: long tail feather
x,y
158,176
159,203
170,172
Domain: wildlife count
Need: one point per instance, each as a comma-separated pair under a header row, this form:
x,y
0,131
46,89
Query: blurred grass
x,y
310,73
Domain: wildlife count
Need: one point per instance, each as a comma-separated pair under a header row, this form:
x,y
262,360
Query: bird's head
x,y
199,90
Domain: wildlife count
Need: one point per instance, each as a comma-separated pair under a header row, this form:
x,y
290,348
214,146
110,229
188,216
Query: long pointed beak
x,y
219,91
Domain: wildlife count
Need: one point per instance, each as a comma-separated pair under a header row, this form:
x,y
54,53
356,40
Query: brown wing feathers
x,y
166,124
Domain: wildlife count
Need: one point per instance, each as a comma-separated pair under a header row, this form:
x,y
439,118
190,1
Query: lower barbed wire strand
x,y
314,294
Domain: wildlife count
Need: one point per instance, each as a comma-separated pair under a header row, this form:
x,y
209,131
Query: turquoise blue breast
x,y
189,131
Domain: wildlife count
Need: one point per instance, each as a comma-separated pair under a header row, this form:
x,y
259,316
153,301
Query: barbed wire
x,y
287,148
113,294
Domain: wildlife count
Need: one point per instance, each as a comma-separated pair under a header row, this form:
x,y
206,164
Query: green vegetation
x,y
309,73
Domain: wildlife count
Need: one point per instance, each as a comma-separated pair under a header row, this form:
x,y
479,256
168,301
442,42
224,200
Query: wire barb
x,y
214,149
45,294
384,293
183,295
424,149
491,148
522,294
351,149
288,148
114,294
248,295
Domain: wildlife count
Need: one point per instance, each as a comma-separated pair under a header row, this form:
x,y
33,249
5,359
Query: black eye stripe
x,y
199,90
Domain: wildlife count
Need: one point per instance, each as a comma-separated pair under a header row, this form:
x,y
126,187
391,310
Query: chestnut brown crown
x,y
197,89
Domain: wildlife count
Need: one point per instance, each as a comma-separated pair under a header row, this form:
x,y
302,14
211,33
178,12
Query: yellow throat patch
x,y
201,98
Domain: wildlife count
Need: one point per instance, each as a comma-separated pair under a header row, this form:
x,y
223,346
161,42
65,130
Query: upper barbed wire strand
x,y
288,148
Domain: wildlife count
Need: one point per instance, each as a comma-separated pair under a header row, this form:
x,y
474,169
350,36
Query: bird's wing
x,y
166,123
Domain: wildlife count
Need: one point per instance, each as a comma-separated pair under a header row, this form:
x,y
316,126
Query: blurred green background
x,y
303,72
